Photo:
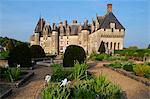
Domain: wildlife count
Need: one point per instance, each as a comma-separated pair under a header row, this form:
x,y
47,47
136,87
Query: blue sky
x,y
18,18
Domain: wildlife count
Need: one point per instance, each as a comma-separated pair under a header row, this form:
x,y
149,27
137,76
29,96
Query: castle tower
x,y
55,40
84,36
37,38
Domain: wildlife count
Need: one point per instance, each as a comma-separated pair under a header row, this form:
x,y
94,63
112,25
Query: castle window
x,y
119,30
111,45
118,45
112,30
104,29
67,37
67,42
61,47
79,42
61,37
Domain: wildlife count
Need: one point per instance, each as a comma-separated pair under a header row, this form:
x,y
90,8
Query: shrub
x,y
142,70
12,74
20,55
59,73
116,64
128,66
54,91
4,55
83,89
73,53
79,71
37,51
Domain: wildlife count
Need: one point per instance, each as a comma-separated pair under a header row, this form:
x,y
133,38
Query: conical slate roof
x,y
110,18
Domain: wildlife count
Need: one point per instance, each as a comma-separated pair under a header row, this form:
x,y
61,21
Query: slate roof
x,y
40,25
110,18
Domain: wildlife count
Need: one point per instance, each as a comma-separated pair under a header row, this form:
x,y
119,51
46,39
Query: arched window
x,y
114,46
111,45
118,45
107,44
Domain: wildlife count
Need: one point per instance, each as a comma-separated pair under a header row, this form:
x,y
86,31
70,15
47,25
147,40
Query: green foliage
x,y
116,64
9,45
37,51
142,70
102,48
73,53
99,57
12,74
128,66
114,58
20,55
148,46
4,55
83,89
4,41
79,71
54,91
140,53
59,73
133,48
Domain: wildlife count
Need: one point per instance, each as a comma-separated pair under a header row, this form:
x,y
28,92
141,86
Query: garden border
x,y
26,77
144,81
6,93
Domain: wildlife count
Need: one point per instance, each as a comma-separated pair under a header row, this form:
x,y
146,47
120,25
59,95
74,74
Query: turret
x,y
85,35
55,40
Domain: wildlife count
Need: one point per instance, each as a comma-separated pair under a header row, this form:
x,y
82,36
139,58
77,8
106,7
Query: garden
x,y
17,69
80,84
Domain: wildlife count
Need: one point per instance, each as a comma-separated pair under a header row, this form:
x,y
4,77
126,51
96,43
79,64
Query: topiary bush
x,y
128,66
37,51
20,55
73,53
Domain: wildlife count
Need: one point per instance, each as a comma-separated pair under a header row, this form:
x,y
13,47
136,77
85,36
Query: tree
x,y
148,46
102,48
37,51
9,45
20,55
133,48
73,53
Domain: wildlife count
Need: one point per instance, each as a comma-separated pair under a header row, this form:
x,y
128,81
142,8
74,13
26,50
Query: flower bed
x,y
5,90
80,86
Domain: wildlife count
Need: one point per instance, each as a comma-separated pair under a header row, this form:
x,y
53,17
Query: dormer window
x,y
112,25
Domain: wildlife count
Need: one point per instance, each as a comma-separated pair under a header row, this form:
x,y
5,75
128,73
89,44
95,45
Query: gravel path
x,y
31,89
133,89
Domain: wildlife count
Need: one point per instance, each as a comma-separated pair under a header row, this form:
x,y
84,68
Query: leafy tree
x,y
132,47
20,55
148,46
102,48
9,45
73,53
37,51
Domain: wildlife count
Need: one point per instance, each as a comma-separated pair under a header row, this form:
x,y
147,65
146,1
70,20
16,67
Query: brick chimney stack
x,y
109,8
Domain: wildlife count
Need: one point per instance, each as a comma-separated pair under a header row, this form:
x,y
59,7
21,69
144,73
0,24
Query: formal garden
x,y
72,78
16,70
80,83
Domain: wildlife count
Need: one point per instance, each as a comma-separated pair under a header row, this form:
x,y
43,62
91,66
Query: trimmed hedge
x,y
37,51
73,53
20,55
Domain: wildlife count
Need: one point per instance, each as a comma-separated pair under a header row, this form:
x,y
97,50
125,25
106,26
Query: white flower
x,y
6,65
47,78
64,82
18,65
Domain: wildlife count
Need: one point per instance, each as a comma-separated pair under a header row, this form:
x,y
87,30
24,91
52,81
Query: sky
x,y
18,18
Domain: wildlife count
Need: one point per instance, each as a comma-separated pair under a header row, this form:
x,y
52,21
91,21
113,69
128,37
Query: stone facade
x,y
105,28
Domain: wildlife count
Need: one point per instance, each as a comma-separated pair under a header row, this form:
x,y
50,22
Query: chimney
x,y
109,8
